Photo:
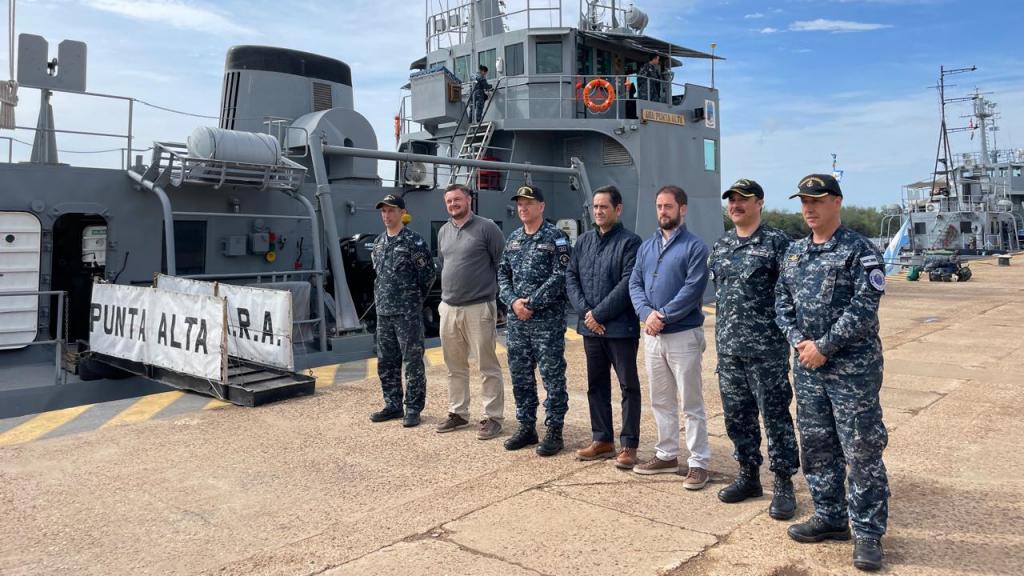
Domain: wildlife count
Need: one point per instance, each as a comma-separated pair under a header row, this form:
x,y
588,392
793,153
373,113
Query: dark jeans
x,y
602,355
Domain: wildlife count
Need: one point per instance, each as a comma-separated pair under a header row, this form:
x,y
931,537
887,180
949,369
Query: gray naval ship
x,y
282,192
973,203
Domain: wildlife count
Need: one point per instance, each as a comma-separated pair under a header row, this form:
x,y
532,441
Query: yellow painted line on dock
x,y
708,310
371,367
572,335
144,409
434,356
214,404
325,375
41,425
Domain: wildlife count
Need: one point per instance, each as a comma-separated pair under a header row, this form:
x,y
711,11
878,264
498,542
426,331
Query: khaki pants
x,y
470,331
673,372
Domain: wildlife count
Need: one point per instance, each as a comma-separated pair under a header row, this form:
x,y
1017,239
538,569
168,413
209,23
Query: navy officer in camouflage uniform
x,y
531,282
404,273
826,302
753,358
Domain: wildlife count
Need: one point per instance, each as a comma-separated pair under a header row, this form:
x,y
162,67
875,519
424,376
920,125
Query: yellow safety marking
x,y
434,356
40,425
214,404
371,367
573,335
325,375
144,409
501,348
708,310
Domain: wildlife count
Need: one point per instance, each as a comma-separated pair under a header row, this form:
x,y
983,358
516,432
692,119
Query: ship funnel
x,y
264,84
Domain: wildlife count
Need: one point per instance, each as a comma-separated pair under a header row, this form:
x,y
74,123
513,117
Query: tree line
x,y
864,220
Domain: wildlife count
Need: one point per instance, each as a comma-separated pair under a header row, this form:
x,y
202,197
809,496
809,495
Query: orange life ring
x,y
590,90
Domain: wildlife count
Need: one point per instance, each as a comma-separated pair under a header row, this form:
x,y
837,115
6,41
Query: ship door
x,y
20,242
79,254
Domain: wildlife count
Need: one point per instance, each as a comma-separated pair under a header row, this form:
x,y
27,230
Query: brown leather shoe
x,y
489,428
657,466
626,458
696,479
596,451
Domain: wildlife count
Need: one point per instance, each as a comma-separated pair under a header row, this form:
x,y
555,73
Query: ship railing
x,y
172,159
450,22
974,159
60,377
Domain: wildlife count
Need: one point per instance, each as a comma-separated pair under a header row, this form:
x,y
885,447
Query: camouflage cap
x,y
818,186
392,200
531,192
746,188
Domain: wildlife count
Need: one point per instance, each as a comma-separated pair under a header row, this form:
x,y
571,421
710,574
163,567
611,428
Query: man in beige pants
x,y
470,247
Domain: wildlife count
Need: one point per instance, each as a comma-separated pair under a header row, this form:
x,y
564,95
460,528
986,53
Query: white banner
x,y
185,285
259,319
259,324
180,332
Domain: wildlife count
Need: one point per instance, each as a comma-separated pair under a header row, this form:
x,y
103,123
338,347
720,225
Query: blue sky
x,y
803,79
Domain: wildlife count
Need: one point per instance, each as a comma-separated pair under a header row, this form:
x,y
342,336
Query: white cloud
x,y
823,25
769,30
177,13
754,16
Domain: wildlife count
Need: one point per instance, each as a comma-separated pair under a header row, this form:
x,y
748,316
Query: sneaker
x,y
524,436
746,485
489,428
626,459
454,422
696,478
657,466
783,506
867,553
552,443
596,451
816,530
387,413
411,420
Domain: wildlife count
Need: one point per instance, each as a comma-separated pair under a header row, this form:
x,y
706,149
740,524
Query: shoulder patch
x,y
869,261
877,279
561,242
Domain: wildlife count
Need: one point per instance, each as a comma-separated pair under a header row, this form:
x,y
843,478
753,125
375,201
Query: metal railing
x,y
60,377
450,22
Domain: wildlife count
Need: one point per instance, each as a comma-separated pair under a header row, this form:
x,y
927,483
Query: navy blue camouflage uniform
x,y
829,293
405,272
753,362
533,267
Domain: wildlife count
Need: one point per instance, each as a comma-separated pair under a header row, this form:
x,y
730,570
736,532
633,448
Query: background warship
x,y
299,214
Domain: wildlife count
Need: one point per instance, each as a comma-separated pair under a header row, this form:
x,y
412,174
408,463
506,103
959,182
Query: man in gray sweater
x,y
470,247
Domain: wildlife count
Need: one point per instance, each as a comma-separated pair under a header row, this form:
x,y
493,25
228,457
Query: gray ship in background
x,y
973,203
282,192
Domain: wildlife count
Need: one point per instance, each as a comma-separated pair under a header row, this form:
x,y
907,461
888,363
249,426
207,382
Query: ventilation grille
x,y
229,101
615,154
322,97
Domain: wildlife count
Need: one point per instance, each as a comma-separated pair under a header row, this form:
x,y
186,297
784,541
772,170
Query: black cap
x,y
818,186
746,188
484,68
531,192
392,200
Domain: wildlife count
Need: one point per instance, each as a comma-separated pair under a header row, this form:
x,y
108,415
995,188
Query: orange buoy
x,y
592,89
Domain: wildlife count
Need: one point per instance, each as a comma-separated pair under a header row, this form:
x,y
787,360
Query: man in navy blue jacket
x,y
667,289
597,282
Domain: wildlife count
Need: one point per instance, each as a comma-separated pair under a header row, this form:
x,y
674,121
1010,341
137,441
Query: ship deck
x,y
161,486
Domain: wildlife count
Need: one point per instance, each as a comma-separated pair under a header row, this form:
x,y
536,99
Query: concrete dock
x,y
310,486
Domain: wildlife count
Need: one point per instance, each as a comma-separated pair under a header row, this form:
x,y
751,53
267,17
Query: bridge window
x,y
462,68
514,65
486,58
549,57
709,155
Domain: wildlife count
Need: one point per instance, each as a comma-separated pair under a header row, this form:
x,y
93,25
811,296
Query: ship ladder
x,y
474,147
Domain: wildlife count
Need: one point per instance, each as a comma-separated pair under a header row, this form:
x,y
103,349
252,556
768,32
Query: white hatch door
x,y
20,241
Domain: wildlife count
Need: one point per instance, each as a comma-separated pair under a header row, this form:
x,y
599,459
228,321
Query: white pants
x,y
673,370
465,331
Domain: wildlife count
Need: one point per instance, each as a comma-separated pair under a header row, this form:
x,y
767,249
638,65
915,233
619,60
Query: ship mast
x,y
943,153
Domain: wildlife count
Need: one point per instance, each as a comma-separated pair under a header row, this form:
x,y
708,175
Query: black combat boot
x,y
867,553
387,413
746,485
524,436
783,505
816,530
552,443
